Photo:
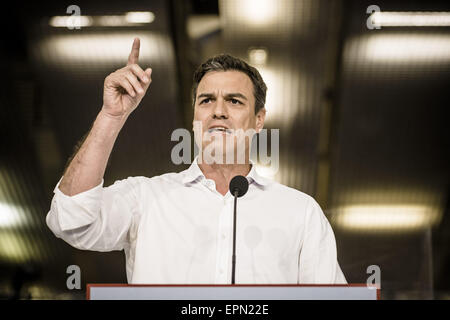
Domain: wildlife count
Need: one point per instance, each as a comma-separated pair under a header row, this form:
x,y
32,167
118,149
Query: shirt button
x,y
224,235
221,271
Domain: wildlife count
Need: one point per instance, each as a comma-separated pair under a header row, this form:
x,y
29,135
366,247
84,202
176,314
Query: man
x,y
177,228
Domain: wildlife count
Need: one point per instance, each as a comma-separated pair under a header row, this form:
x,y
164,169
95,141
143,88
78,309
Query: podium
x,y
232,292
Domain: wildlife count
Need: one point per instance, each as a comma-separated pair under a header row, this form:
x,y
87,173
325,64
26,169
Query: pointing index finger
x,y
134,54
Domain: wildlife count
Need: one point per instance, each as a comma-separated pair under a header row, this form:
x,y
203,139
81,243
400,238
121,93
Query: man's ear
x,y
260,117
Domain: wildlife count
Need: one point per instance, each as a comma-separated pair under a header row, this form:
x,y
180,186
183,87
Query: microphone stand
x,y
238,187
233,259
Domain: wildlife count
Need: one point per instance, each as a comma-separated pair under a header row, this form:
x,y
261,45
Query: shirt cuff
x,y
79,210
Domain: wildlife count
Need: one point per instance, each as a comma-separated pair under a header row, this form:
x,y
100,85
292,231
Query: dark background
x,y
362,116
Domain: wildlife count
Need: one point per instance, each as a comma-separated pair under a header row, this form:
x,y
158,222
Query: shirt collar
x,y
193,173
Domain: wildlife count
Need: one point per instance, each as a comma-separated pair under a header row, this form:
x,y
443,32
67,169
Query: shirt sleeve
x,y
318,257
98,219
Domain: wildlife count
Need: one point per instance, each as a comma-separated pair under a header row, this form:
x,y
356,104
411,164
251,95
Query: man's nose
x,y
220,110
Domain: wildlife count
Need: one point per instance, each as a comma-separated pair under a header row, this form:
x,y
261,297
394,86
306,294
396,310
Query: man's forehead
x,y
225,82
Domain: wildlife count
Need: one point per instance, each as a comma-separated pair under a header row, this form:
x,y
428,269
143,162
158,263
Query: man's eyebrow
x,y
236,95
205,95
228,95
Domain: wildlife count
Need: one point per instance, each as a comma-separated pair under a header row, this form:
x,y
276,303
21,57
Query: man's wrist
x,y
109,124
114,118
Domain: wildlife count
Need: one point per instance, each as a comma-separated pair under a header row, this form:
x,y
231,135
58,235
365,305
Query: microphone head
x,y
239,184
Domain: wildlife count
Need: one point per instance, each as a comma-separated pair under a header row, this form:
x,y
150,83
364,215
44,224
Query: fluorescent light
x,y
274,82
129,19
385,217
399,49
259,20
99,48
11,216
411,19
258,56
259,12
286,97
408,48
140,17
110,21
70,21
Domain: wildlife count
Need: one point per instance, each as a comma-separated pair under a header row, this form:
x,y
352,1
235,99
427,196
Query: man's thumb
x,y
148,73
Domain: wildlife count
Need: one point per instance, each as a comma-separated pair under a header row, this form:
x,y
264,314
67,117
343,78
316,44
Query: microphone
x,y
238,187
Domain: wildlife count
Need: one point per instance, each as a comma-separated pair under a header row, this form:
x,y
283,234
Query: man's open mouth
x,y
220,130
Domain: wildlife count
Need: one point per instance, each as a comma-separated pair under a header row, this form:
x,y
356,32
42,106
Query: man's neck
x,y
223,173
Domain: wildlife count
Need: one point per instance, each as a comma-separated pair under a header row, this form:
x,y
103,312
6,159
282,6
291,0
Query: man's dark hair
x,y
225,62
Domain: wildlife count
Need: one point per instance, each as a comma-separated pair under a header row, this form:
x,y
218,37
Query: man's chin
x,y
227,156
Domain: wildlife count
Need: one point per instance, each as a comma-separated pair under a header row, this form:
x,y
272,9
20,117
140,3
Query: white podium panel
x,y
231,292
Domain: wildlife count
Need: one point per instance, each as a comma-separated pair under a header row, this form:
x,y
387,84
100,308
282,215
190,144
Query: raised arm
x,y
123,91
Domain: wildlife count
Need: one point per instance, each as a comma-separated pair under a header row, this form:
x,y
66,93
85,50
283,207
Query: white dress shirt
x,y
178,229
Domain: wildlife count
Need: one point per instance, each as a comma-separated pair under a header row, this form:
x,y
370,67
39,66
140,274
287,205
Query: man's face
x,y
225,101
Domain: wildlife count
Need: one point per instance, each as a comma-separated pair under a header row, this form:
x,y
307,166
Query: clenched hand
x,y
124,89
